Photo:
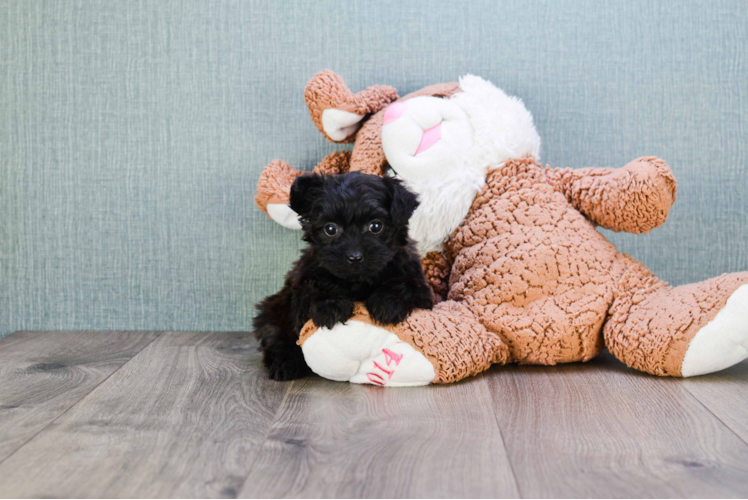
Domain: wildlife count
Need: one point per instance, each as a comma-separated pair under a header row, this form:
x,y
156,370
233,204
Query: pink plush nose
x,y
394,112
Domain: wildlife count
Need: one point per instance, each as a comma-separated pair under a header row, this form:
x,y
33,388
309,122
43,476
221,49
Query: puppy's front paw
x,y
328,312
386,309
424,300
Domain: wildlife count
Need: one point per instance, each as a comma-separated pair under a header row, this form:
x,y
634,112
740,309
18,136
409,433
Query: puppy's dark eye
x,y
376,227
331,229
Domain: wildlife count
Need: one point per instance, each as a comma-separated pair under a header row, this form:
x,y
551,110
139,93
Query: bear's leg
x,y
443,345
680,332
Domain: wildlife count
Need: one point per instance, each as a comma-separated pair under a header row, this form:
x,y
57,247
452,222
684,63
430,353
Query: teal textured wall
x,y
132,133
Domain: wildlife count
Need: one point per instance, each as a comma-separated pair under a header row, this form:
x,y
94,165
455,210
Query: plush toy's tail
x,y
680,332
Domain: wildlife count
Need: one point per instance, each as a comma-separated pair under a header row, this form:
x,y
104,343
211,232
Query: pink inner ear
x,y
430,137
394,111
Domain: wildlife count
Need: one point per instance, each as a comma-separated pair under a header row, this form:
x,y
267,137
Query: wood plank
x,y
725,394
184,418
43,374
343,440
603,430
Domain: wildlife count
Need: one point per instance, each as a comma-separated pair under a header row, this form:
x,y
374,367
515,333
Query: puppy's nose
x,y
355,257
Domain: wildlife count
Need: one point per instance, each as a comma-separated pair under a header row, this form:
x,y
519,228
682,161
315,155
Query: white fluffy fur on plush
x,y
444,203
505,130
494,114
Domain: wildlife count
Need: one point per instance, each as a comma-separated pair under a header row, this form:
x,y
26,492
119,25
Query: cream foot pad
x,y
283,215
723,342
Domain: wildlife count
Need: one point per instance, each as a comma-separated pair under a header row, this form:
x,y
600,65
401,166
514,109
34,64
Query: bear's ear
x,y
403,203
304,192
339,125
336,111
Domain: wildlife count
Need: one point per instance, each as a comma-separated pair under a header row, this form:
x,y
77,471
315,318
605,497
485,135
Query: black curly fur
x,y
324,283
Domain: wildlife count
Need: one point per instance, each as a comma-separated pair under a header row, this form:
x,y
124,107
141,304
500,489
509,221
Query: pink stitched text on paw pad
x,y
385,370
390,356
375,379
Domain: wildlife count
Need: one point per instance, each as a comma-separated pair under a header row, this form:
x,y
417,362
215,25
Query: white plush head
x,y
444,148
441,141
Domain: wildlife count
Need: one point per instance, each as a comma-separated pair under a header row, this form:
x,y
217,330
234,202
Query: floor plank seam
x,y
93,389
715,416
501,434
265,438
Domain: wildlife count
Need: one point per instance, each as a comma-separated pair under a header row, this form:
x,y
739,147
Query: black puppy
x,y
357,229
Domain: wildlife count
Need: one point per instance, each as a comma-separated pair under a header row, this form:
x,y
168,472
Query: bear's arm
x,y
634,199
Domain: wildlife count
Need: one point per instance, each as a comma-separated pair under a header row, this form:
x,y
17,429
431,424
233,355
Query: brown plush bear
x,y
509,246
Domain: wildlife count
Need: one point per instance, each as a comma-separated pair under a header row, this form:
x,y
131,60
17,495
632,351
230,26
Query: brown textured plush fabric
x,y
327,90
453,339
634,199
532,268
274,185
651,323
436,267
336,163
537,273
527,278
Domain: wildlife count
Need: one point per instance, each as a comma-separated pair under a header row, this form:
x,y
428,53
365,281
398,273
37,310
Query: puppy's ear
x,y
404,202
304,190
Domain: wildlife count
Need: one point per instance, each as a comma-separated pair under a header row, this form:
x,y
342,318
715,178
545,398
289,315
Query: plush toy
x,y
510,248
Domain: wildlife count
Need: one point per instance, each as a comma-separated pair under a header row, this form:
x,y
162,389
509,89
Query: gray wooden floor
x,y
144,414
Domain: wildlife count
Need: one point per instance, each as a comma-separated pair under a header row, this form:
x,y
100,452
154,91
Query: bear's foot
x,y
273,193
721,343
679,332
363,353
